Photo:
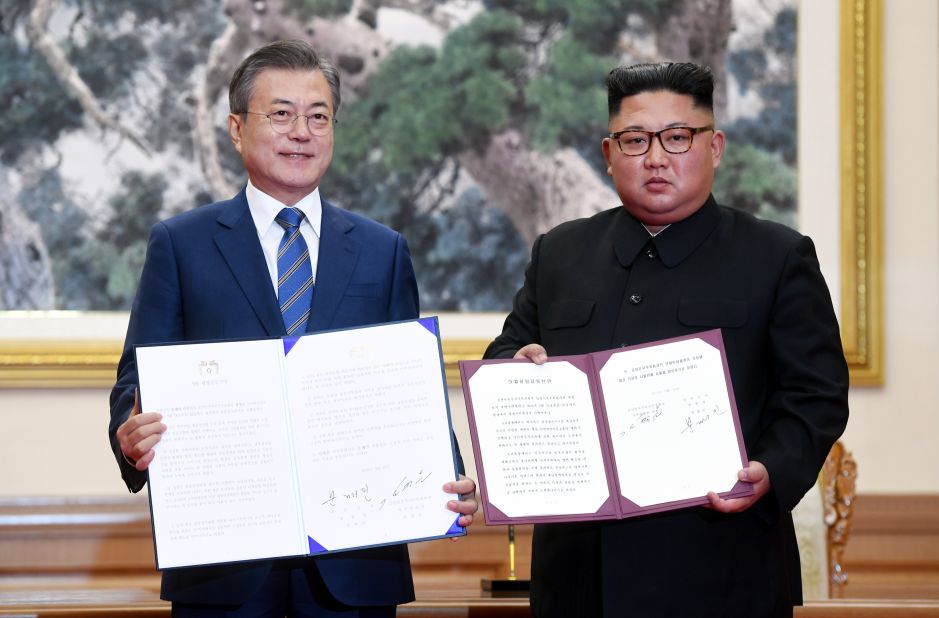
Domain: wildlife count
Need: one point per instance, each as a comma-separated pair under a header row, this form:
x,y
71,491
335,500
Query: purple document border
x,y
494,515
741,488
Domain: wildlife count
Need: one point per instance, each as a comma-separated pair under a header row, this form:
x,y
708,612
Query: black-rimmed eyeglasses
x,y
675,140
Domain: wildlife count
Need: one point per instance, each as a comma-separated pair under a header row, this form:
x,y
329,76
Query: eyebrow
x,y
289,102
671,125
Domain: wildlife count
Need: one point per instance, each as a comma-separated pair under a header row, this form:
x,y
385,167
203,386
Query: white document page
x,y
221,484
537,434
372,435
670,421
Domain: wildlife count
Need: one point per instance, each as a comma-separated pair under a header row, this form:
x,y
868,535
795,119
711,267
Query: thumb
x,y
136,409
751,473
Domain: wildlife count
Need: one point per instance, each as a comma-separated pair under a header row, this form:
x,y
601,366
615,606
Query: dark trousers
x,y
290,592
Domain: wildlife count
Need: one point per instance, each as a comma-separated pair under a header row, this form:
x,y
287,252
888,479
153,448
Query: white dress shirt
x,y
264,210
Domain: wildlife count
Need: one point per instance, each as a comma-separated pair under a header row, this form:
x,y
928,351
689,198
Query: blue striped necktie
x,y
294,272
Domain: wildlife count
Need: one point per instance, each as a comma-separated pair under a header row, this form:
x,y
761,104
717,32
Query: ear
x,y
606,145
235,126
717,148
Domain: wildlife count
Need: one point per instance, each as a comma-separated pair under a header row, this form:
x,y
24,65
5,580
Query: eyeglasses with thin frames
x,y
674,140
282,121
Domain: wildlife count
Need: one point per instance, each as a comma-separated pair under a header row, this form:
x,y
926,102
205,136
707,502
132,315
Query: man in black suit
x,y
672,261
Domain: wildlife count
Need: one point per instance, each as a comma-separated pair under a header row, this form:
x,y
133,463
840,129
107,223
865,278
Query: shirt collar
x,y
264,209
673,244
657,232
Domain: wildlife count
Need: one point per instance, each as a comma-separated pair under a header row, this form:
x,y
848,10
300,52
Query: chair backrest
x,y
839,484
823,524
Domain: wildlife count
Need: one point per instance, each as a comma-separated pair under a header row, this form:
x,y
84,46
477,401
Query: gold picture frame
x,y
862,189
59,349
28,362
87,362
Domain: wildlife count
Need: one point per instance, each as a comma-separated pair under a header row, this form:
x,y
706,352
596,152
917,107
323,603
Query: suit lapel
x,y
337,258
239,246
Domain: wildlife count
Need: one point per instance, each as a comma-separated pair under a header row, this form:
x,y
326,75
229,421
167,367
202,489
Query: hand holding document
x,y
607,435
274,448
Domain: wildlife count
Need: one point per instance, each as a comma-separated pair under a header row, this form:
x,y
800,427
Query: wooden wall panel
x,y
893,551
75,535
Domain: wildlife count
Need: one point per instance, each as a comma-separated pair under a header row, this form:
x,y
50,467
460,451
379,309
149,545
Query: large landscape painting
x,y
469,126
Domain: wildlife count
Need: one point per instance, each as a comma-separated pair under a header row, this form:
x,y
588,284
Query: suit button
x,y
635,299
652,254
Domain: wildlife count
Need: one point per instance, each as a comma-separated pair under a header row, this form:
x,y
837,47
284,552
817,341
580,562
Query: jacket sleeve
x,y
155,316
809,409
521,327
404,303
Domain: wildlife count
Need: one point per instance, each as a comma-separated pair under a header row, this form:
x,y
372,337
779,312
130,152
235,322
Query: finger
x,y
143,426
734,505
533,352
717,503
754,472
465,521
134,423
750,474
136,450
463,486
140,440
144,462
464,507
147,443
713,500
144,419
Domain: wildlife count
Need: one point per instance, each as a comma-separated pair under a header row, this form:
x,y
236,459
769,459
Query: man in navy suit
x,y
212,273
671,261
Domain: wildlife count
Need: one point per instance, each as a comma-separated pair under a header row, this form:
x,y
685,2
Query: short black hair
x,y
687,78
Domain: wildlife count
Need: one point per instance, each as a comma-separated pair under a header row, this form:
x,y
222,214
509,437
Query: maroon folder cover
x,y
542,456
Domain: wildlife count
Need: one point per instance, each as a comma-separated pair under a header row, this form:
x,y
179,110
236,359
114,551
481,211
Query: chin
x,y
665,215
655,217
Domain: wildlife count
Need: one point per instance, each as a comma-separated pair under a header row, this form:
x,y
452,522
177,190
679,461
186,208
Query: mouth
x,y
657,185
296,155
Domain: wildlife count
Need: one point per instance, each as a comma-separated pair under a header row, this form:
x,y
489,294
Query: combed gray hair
x,y
291,54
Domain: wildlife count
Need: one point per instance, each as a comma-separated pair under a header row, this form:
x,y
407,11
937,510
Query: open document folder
x,y
607,435
299,446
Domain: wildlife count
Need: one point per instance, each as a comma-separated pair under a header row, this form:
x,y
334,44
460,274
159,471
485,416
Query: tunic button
x,y
635,299
651,254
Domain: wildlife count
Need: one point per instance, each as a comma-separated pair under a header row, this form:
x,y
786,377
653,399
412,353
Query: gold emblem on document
x,y
209,368
360,351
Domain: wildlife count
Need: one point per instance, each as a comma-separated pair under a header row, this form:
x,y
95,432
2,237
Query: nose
x,y
657,155
300,129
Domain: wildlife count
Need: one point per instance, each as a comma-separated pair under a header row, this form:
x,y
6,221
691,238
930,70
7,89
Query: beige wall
x,y
53,442
896,427
56,443
892,428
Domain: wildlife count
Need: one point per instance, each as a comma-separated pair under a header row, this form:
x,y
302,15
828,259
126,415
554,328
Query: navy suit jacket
x,y
205,278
